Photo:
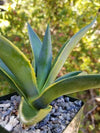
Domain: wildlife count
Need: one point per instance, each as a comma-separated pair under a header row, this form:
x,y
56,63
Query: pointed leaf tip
x,y
35,45
45,59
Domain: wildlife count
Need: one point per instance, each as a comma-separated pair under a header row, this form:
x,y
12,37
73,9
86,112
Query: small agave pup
x,y
36,82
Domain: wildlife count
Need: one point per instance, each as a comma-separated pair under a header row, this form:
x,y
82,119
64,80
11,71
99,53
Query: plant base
x,y
64,117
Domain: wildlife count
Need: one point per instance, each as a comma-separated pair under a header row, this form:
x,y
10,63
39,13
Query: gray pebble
x,y
57,130
6,113
78,103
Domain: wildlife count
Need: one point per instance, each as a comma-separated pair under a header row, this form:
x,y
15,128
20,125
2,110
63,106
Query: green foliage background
x,y
66,17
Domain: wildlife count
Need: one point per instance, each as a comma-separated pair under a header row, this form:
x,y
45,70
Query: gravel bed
x,y
63,111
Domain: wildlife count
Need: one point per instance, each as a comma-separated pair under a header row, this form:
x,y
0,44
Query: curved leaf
x,y
19,65
35,45
3,67
67,86
45,58
30,115
64,53
71,74
13,84
6,73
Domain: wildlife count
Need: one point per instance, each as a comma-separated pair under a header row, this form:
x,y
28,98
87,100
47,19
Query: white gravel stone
x,y
37,131
12,123
7,105
9,127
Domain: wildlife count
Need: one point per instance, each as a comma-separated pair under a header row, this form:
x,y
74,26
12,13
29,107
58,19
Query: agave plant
x,y
36,82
